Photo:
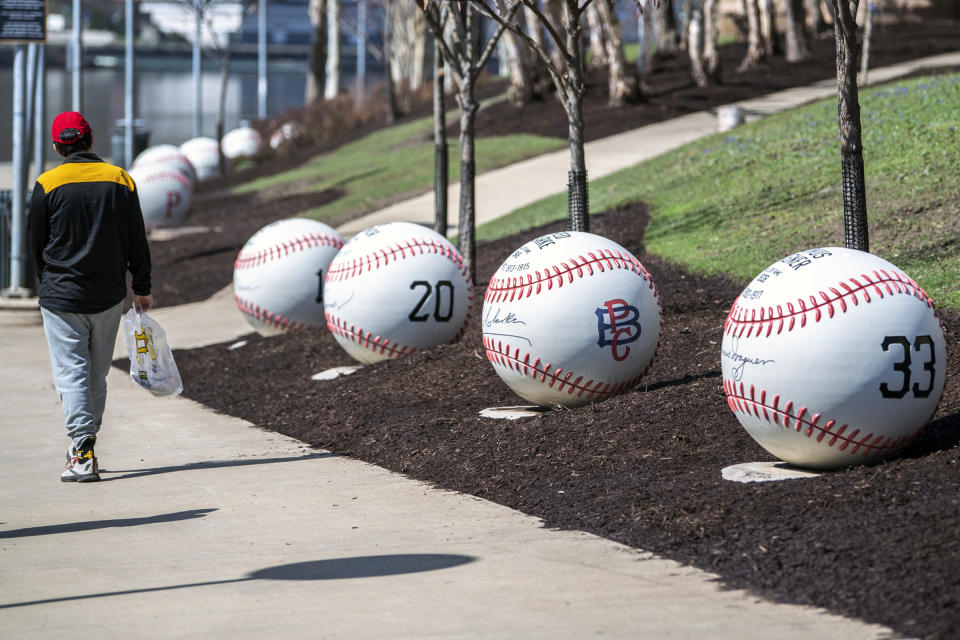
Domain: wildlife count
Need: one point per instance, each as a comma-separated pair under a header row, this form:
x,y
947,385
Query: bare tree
x,y
521,69
797,47
768,29
570,86
645,41
622,82
466,61
756,54
441,160
702,45
855,230
316,65
332,81
668,35
598,49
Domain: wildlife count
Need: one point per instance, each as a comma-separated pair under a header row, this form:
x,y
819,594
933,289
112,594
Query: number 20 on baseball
x,y
920,344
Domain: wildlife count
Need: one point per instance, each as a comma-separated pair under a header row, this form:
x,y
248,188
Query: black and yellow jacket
x,y
86,231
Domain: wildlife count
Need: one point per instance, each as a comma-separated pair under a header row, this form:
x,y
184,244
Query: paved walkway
x,y
207,526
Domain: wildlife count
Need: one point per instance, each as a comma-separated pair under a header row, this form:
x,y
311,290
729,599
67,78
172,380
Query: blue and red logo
x,y
618,324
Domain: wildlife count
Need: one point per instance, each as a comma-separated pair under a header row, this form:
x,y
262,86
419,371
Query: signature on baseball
x,y
741,360
338,305
493,318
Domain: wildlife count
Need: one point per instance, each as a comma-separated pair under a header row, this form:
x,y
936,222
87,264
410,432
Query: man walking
x,y
86,231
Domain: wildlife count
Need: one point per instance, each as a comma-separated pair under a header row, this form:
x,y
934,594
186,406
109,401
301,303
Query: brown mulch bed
x,y
643,468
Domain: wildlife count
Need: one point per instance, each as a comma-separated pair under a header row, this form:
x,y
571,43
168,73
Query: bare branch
x,y
435,22
492,43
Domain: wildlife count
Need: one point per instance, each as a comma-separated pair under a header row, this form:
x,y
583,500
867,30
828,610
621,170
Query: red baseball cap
x,y
69,120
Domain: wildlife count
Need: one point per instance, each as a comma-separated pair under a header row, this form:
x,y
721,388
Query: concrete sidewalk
x,y
207,526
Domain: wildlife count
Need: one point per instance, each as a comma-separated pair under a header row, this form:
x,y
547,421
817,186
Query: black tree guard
x,y
578,201
855,231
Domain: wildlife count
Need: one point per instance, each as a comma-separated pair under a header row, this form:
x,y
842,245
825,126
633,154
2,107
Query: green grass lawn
x,y
390,165
735,202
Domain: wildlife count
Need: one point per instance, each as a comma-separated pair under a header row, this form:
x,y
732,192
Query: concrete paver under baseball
x,y
206,526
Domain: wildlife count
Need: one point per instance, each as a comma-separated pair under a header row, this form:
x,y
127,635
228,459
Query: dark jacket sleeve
x,y
138,251
38,226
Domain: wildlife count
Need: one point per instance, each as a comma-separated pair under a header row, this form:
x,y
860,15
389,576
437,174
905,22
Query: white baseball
x,y
396,288
170,157
571,318
164,194
241,142
278,275
833,357
204,154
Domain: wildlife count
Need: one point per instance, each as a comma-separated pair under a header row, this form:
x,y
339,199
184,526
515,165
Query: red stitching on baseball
x,y
267,317
375,260
516,287
738,323
500,354
283,249
741,400
369,341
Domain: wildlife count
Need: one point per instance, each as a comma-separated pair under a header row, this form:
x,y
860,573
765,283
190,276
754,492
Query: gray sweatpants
x,y
81,350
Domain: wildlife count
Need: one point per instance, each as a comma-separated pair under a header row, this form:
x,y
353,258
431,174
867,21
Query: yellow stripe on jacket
x,y
73,172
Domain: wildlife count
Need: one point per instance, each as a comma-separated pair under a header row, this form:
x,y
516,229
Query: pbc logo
x,y
617,324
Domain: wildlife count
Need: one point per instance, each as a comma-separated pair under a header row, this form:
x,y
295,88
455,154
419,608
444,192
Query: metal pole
x,y
39,112
262,60
28,104
128,91
196,70
361,50
77,56
17,254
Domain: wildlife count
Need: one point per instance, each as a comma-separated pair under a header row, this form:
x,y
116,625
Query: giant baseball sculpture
x,y
165,193
396,288
833,357
168,156
571,318
204,154
278,275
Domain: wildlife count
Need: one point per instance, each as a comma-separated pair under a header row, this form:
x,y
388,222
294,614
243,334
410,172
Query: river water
x,y
164,101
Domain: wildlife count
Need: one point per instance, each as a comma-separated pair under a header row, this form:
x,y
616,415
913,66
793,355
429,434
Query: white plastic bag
x,y
151,361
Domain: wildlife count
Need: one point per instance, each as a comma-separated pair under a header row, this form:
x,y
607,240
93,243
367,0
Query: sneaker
x,y
81,464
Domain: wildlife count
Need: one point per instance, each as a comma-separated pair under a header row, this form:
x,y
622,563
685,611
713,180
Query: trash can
x,y
141,140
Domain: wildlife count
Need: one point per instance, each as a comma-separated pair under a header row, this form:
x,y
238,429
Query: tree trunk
x,y
646,38
521,75
393,110
316,67
755,56
855,230
867,35
419,63
768,29
468,112
622,85
817,24
598,49
668,39
578,200
695,48
332,85
441,161
798,49
711,57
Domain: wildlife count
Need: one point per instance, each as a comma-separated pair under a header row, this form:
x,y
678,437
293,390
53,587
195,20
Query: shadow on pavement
x,y
90,525
211,464
332,569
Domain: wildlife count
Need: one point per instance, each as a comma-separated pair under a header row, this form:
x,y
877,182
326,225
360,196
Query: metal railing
x,y
6,233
